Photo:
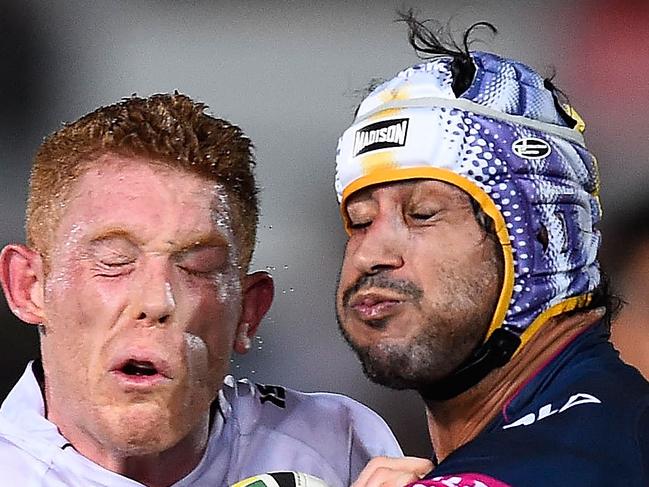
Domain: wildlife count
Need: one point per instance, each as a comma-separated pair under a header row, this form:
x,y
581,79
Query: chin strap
x,y
494,353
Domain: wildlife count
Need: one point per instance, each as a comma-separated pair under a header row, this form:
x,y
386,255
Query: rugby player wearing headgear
x,y
140,225
471,275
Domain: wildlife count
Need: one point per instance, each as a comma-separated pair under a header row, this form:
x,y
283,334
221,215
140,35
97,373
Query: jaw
x,y
145,443
144,428
107,422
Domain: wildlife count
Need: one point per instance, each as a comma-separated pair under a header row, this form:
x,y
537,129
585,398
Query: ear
x,y
22,278
258,291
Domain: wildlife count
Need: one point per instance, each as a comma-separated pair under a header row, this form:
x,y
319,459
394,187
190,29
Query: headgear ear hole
x,y
561,101
542,237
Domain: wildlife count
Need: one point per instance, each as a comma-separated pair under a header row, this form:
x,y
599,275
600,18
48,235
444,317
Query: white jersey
x,y
259,429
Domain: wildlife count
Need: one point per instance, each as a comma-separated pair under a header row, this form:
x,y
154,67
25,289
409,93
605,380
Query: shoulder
x,y
592,398
564,432
577,442
616,392
18,466
317,414
272,428
541,460
590,385
274,404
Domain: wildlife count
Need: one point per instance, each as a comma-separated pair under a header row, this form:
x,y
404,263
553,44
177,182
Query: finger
x,y
418,466
386,477
367,472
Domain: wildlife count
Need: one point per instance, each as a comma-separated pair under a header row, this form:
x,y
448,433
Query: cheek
x,y
486,262
347,270
213,323
73,331
197,355
73,283
208,356
450,249
344,283
219,339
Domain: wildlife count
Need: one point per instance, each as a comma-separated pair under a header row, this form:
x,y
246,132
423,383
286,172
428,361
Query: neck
x,y
145,465
454,422
161,469
158,469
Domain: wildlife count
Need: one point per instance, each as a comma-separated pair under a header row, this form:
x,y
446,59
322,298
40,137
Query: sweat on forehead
x,y
119,182
171,129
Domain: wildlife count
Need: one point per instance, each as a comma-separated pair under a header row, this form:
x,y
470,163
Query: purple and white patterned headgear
x,y
506,144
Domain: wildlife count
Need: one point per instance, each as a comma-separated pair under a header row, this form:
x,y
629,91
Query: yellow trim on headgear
x,y
562,307
384,172
597,177
580,126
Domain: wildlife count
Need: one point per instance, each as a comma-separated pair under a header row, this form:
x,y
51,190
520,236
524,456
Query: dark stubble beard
x,y
450,334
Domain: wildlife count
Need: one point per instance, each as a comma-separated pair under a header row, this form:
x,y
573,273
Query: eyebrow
x,y
188,244
204,241
116,234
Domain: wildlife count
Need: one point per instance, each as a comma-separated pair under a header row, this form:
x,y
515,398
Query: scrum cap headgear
x,y
509,144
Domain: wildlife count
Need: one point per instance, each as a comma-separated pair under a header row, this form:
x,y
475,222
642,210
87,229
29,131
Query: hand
x,y
393,472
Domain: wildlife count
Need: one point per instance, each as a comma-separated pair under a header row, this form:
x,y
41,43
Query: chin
x,y
146,428
400,364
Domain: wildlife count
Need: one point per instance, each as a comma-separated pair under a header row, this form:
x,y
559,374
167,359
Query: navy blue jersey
x,y
581,420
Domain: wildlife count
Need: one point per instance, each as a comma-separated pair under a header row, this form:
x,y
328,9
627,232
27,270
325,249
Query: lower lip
x,y
376,311
139,381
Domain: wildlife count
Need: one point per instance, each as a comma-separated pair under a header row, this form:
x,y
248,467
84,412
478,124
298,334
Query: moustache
x,y
382,281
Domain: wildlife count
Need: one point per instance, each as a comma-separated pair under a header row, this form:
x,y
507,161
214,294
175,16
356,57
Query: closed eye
x,y
196,272
203,261
359,225
421,216
114,269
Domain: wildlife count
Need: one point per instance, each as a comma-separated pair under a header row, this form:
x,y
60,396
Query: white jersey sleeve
x,y
329,436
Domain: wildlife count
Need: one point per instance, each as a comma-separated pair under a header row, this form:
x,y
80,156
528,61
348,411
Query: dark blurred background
x,y
289,74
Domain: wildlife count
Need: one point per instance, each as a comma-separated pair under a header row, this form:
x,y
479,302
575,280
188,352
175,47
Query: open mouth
x,y
139,368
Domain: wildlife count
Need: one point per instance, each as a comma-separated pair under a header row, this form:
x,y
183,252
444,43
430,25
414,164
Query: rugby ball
x,y
281,479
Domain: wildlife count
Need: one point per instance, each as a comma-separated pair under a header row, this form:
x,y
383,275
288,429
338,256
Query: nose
x,y
381,247
153,301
